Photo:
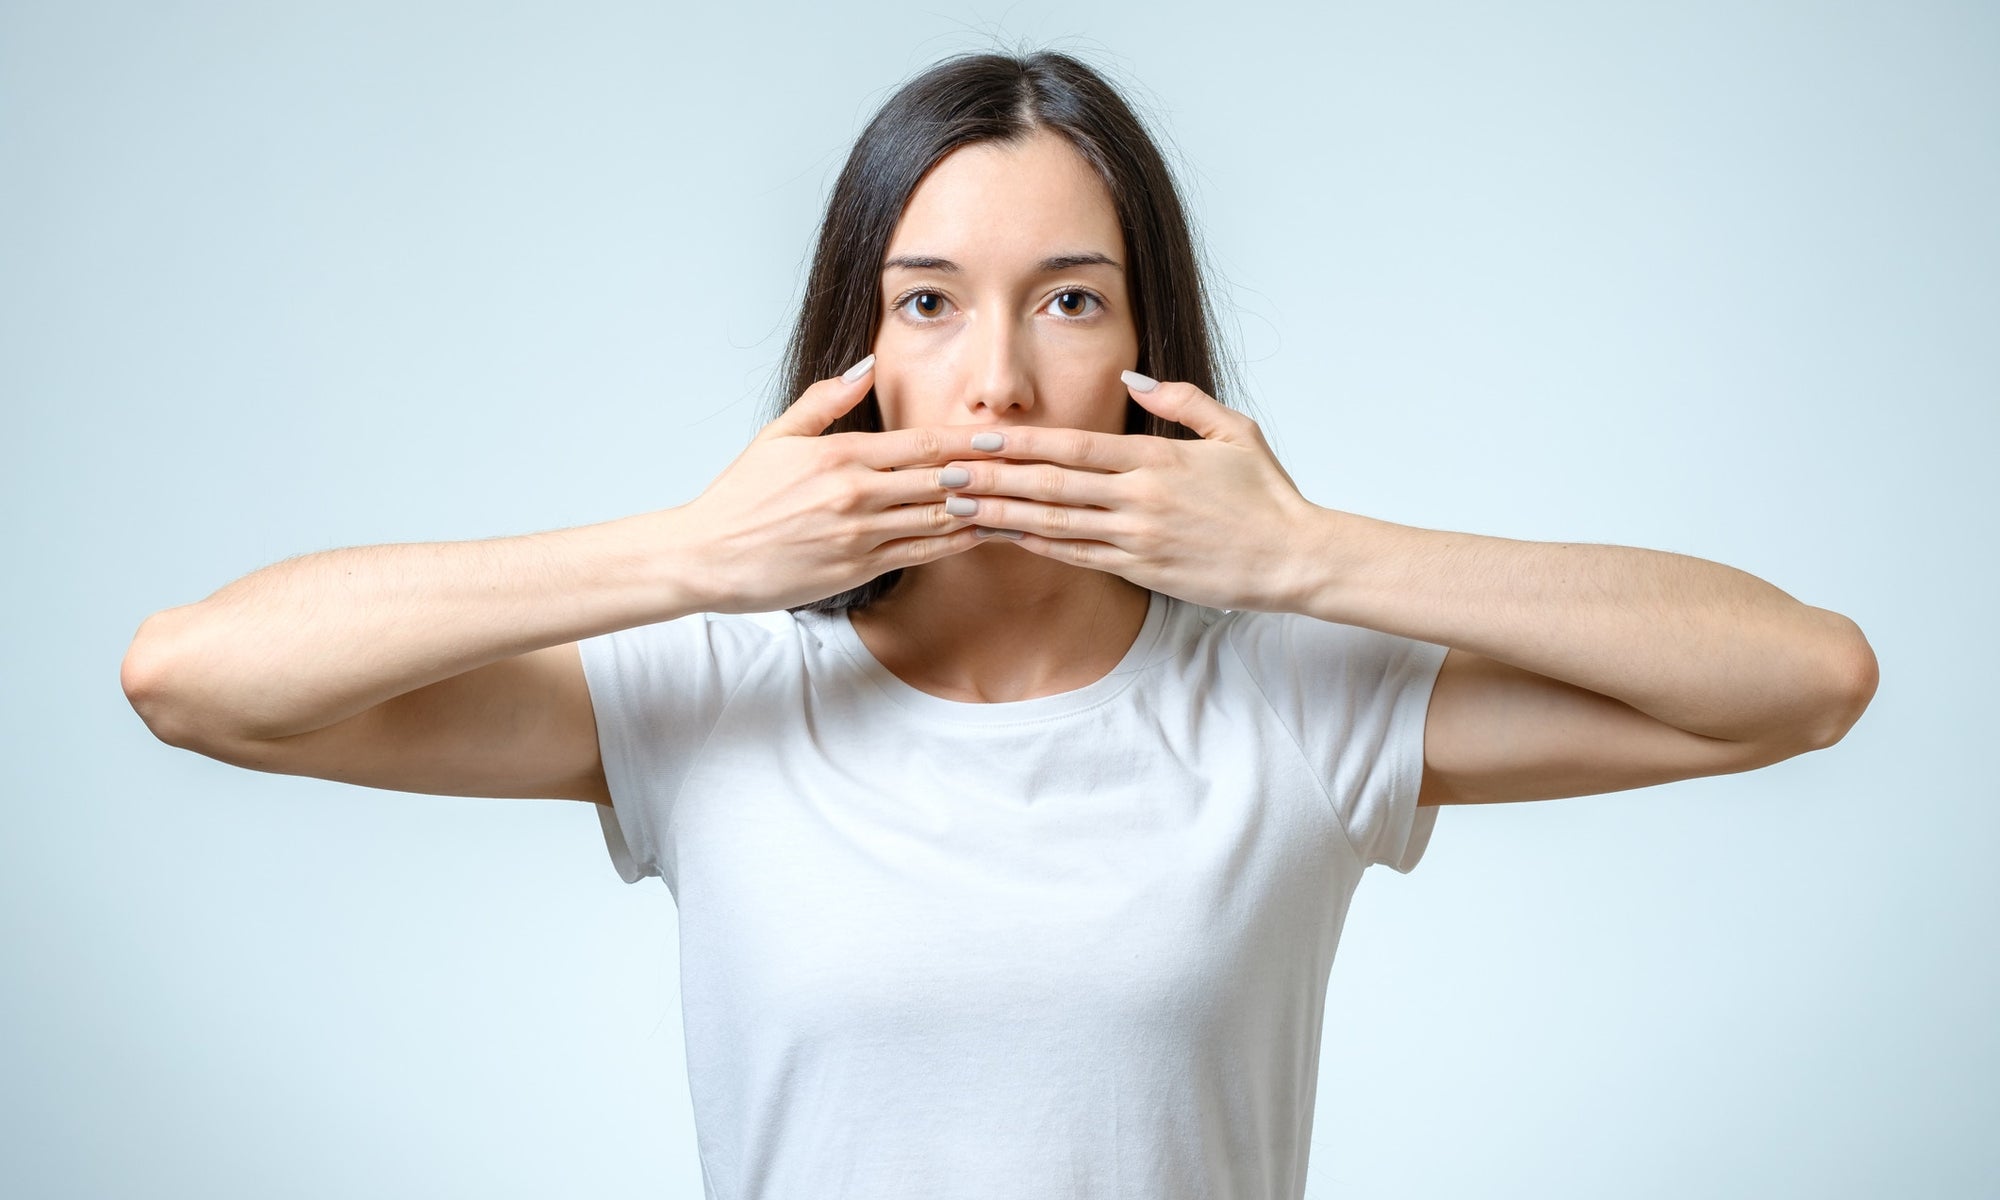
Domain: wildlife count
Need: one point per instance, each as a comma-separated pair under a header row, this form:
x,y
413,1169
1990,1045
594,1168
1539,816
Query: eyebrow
x,y
1048,266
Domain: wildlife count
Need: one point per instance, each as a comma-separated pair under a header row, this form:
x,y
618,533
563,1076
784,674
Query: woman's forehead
x,y
995,204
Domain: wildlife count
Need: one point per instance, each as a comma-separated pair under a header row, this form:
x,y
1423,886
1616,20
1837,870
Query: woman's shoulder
x,y
717,635
1282,642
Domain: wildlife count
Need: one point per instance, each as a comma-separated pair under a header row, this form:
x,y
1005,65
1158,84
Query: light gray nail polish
x,y
1010,534
988,441
959,506
954,477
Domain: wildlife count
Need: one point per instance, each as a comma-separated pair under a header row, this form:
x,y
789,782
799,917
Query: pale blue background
x,y
1714,278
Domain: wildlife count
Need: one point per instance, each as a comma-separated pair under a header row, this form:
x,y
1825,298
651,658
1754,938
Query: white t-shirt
x,y
1076,945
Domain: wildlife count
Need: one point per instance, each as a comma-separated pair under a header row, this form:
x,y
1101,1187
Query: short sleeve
x,y
1355,701
658,691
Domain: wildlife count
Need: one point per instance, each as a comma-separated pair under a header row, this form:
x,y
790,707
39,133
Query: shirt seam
x,y
1399,769
1312,769
694,757
868,669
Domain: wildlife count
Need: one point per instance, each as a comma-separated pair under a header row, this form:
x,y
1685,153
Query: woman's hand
x,y
799,516
1216,522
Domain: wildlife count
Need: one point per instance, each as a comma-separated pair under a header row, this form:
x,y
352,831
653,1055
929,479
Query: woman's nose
x,y
999,377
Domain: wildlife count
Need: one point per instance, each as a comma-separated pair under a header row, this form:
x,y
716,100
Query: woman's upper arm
x,y
520,727
1496,732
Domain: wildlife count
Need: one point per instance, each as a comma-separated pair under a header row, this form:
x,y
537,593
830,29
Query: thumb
x,y
825,401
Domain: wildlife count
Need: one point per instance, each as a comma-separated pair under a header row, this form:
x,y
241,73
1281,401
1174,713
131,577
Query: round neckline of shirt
x,y
1004,712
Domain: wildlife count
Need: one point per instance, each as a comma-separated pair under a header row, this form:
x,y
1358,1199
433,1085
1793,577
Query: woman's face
x,y
990,315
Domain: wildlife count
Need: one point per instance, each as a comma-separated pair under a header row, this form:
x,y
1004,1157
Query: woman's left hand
x,y
1215,522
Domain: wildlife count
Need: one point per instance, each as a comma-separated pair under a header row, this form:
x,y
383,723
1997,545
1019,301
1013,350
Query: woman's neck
x,y
999,623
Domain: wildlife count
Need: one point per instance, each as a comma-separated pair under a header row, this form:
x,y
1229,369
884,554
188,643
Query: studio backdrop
x,y
1713,278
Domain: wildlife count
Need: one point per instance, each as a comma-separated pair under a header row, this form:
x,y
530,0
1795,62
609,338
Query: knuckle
x,y
927,444
1049,481
815,391
838,449
849,495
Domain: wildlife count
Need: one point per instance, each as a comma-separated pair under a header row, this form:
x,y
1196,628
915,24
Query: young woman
x,y
1011,732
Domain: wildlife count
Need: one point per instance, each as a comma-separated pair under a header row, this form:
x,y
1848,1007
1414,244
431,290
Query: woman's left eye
x,y
1079,298
903,303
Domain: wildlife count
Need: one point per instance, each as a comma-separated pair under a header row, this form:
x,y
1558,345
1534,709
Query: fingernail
x,y
1137,381
959,506
954,477
857,370
988,441
1012,535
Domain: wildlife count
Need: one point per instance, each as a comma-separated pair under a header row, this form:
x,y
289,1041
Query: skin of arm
x,y
310,641
1702,647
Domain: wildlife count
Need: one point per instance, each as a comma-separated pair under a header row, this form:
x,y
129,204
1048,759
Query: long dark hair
x,y
999,98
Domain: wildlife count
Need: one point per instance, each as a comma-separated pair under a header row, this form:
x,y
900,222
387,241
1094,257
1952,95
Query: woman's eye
x,y
924,307
924,311
1079,300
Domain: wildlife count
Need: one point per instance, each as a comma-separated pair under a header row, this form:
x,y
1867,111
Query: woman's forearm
x,y
315,639
1699,645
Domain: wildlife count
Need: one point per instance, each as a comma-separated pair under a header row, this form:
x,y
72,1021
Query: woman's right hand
x,y
799,517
